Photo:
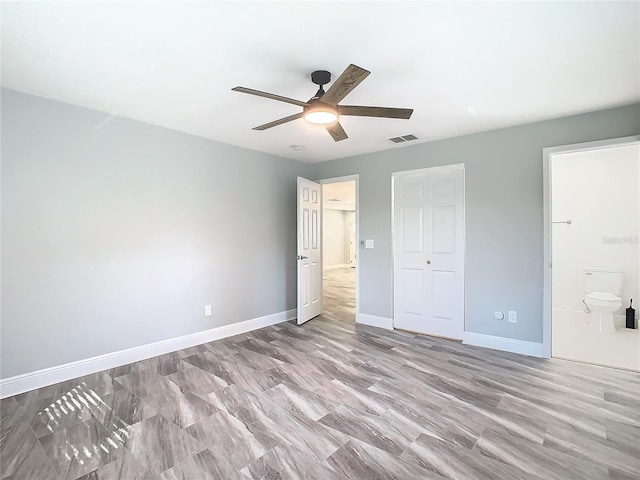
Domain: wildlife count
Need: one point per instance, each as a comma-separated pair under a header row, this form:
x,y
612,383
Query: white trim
x,y
375,321
344,178
349,178
438,169
523,347
49,376
547,154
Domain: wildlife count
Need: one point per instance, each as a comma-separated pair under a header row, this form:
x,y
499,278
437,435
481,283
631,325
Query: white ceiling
x,y
463,67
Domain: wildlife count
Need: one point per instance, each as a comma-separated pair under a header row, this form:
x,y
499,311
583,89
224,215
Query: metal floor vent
x,y
403,138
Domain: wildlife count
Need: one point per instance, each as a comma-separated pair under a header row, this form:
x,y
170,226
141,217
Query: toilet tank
x,y
607,280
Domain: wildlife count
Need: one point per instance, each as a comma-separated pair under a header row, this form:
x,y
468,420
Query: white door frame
x,y
547,156
442,168
348,178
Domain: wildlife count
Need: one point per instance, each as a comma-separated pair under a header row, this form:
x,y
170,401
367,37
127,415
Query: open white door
x,y
428,217
309,250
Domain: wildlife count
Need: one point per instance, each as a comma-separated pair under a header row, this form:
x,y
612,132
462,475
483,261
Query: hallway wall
x,y
335,237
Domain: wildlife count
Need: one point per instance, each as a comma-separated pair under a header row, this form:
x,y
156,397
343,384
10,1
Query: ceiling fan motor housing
x,y
321,77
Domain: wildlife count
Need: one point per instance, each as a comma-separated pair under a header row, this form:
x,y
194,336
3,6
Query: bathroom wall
x,y
598,191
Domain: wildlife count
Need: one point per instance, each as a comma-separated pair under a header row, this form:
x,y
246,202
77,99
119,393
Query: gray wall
x,y
504,230
116,233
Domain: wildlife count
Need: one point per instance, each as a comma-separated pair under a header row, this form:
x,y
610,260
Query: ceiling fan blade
x,y
350,79
386,112
272,96
275,123
337,132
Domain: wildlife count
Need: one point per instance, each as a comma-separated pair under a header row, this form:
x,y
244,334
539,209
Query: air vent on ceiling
x,y
403,138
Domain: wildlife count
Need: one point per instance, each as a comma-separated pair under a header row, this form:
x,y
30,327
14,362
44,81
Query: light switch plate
x,y
368,243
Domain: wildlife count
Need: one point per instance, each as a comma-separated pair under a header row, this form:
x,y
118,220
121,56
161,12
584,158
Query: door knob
x,y
302,257
428,262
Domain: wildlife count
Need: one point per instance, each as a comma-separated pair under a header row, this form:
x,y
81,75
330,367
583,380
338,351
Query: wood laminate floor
x,y
329,400
339,294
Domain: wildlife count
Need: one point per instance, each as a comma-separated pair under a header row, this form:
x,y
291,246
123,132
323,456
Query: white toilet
x,y
603,287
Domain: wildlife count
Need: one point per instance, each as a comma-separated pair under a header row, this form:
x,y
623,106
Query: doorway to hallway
x,y
339,252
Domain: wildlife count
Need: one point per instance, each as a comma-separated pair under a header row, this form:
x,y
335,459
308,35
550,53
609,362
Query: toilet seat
x,y
603,296
603,299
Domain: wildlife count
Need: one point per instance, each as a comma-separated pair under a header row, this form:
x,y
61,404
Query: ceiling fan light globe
x,y
321,115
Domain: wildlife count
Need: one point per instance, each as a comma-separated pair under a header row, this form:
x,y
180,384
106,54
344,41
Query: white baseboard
x,y
532,349
374,321
49,376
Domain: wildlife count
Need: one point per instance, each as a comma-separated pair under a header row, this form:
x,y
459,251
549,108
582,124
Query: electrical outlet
x,y
513,316
207,310
498,316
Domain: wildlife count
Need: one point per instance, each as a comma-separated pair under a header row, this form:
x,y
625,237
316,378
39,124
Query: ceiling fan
x,y
323,108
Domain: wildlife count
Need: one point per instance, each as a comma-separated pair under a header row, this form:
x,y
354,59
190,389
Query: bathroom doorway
x,y
339,249
592,227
